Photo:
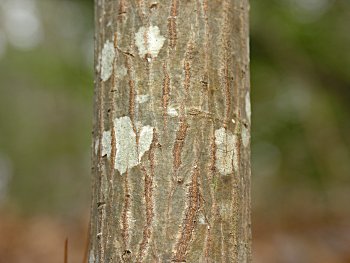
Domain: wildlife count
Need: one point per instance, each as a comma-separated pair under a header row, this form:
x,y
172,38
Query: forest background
x,y
300,91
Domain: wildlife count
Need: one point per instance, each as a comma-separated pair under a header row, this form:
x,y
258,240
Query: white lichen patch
x,y
225,143
201,219
142,98
97,142
146,137
106,143
121,71
245,136
107,59
172,112
149,41
98,64
247,106
92,257
128,155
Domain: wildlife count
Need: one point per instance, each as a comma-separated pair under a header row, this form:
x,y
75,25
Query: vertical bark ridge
x,y
235,186
179,143
187,66
177,151
141,8
100,229
165,91
190,221
101,198
125,216
205,80
210,178
222,240
172,30
148,198
122,8
224,71
132,91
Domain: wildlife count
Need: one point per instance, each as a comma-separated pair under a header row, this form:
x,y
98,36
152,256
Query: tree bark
x,y
171,159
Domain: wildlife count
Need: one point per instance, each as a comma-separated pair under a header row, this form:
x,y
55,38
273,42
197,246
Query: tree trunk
x,y
171,158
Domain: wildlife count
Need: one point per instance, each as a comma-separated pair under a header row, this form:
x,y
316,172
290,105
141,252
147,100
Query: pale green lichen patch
x,y
121,71
149,41
107,59
245,136
92,257
172,112
96,145
146,137
106,143
142,98
225,143
247,106
128,155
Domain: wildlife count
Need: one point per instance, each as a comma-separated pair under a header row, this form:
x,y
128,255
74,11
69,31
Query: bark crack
x,y
125,214
187,66
166,91
190,220
179,143
224,71
132,92
172,30
148,195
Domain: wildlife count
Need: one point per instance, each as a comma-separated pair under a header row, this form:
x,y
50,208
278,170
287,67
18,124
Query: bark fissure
x,y
132,91
190,220
148,198
166,91
172,30
179,143
224,71
125,215
187,66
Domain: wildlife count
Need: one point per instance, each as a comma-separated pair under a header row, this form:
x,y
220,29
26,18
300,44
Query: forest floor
x,y
41,240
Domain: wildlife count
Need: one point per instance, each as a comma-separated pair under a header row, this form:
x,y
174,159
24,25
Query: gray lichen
x,y
107,59
225,143
149,41
128,155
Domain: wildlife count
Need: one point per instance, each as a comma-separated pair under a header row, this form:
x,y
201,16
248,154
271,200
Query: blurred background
x,y
300,74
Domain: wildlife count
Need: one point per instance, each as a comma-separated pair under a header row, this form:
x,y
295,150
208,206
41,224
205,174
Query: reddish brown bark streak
x,y
190,220
148,194
179,143
166,91
125,217
187,66
225,71
172,31
122,7
132,92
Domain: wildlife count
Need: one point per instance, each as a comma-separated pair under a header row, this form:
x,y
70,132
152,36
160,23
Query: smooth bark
x,y
171,160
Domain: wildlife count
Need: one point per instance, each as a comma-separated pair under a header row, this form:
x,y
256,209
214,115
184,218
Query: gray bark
x,y
171,160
